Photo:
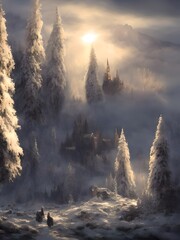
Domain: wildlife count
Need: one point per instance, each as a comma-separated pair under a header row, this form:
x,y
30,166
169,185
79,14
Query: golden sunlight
x,y
89,38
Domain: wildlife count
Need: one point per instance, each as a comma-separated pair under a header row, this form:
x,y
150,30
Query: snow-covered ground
x,y
115,218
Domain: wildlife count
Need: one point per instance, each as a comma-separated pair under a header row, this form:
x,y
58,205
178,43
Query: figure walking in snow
x,y
50,220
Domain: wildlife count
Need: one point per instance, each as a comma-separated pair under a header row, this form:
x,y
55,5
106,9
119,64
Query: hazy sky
x,y
160,17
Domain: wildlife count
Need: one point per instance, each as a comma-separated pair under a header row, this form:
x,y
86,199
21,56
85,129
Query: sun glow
x,y
89,38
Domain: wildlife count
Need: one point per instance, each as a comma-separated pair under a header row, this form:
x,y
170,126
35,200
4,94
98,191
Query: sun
x,y
89,38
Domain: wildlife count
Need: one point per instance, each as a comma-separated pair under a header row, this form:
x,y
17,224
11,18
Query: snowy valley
x,y
115,218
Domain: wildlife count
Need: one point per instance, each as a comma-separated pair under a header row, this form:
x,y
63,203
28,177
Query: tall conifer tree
x,y
55,80
28,95
124,175
159,180
10,150
93,89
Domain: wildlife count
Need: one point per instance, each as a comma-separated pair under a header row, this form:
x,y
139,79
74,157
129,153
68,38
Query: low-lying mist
x,y
149,69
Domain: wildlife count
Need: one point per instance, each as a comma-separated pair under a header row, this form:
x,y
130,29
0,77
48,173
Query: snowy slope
x,y
116,218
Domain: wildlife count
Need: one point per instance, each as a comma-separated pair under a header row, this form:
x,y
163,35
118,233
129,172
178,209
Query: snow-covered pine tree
x,y
70,184
116,138
55,80
111,86
108,72
107,82
54,139
34,156
10,150
30,174
110,183
159,180
118,85
124,175
93,89
28,95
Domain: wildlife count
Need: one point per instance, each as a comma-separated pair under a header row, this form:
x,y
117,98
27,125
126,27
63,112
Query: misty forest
x,y
90,132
